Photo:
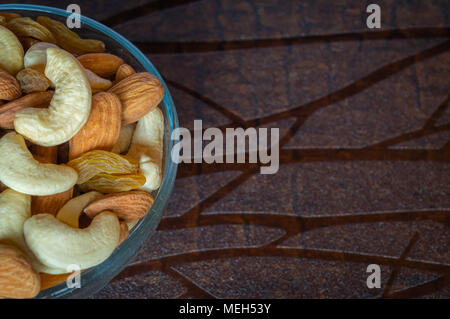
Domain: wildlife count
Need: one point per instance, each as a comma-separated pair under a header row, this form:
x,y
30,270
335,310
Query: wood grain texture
x,y
364,158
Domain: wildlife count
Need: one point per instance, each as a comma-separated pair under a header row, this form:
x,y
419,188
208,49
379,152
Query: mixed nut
x,y
81,138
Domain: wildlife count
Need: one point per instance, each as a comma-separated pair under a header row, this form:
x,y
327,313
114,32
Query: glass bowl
x,y
95,278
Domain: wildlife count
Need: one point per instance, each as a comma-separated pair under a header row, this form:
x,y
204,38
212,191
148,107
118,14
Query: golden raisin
x,y
107,183
95,162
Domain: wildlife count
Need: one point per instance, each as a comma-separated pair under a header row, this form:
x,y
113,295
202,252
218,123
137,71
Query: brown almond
x,y
17,278
8,111
124,71
102,128
130,205
31,80
49,280
139,93
50,204
102,64
44,154
9,87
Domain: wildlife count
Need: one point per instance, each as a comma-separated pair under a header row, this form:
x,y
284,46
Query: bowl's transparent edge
x,y
147,225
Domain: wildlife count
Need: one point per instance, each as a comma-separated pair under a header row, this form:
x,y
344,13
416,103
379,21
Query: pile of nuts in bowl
x,y
81,148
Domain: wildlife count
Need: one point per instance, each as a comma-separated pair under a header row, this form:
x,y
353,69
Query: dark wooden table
x,y
364,122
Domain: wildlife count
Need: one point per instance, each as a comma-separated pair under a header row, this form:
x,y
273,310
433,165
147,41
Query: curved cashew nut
x,y
11,52
125,136
69,109
58,245
97,83
21,172
71,211
37,54
15,209
147,146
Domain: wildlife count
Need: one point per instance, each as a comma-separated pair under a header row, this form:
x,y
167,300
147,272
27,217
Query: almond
x,y
48,280
139,93
35,100
124,71
45,154
50,204
2,187
102,129
102,64
17,277
130,205
9,87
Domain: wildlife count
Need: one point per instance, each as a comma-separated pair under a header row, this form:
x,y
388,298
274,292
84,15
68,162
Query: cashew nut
x,y
11,52
96,82
58,245
15,209
37,54
21,172
69,109
147,146
71,211
125,136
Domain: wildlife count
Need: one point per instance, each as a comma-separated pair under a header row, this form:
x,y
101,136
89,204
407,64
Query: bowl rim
x,y
170,167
